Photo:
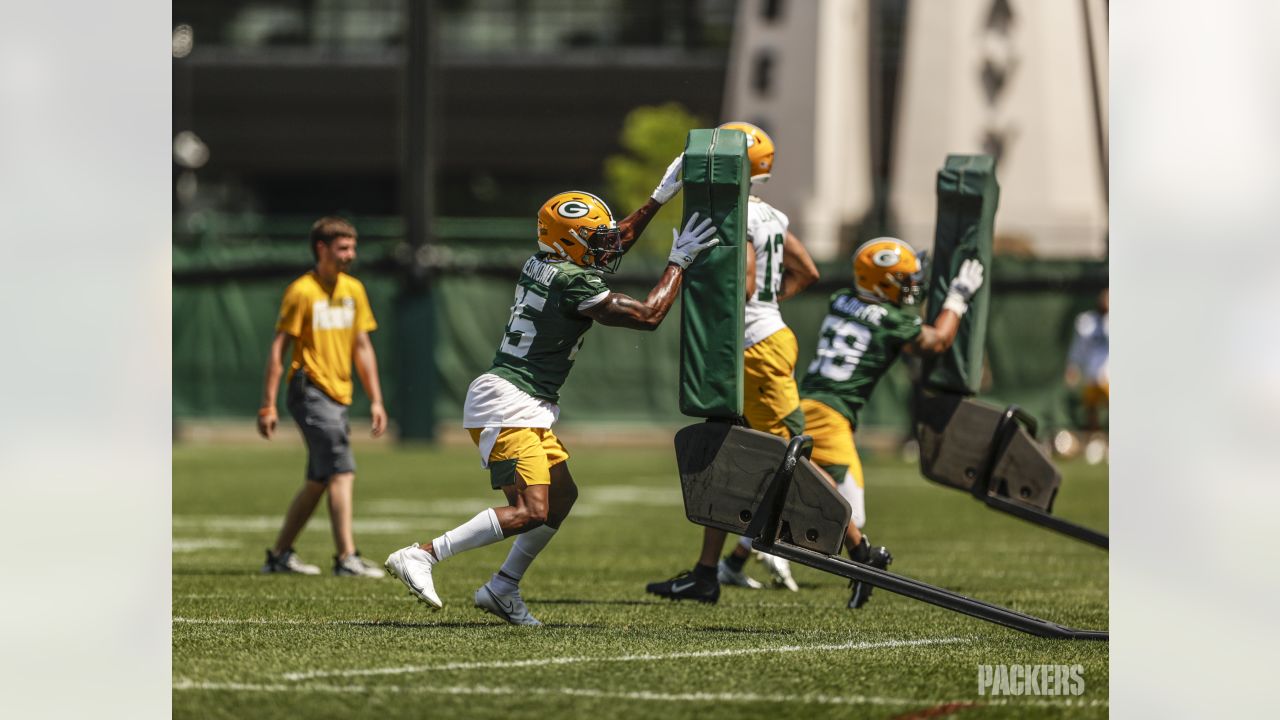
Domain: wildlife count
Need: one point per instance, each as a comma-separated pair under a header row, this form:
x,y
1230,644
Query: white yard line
x,y
638,695
251,621
181,545
536,662
254,597
270,523
394,596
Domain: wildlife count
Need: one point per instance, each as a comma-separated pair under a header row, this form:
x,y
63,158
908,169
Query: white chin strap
x,y
757,179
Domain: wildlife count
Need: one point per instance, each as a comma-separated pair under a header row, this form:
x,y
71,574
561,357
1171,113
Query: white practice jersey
x,y
767,230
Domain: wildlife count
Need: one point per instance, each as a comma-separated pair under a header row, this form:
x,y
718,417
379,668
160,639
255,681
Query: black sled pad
x,y
725,471
958,441
992,454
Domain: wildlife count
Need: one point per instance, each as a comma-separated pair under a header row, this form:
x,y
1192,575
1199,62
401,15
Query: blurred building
x,y
296,106
1025,81
866,98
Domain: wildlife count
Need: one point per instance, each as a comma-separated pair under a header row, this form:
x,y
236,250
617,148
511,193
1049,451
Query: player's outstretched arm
x,y
632,226
621,310
267,417
798,269
936,338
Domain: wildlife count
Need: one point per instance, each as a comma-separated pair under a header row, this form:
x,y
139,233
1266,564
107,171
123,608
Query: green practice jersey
x,y
547,326
857,344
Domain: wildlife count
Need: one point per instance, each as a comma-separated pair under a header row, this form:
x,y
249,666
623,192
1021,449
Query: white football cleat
x,y
509,607
413,566
728,576
780,569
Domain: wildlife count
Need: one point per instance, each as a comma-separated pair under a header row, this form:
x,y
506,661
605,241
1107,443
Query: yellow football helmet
x,y
578,226
759,149
887,269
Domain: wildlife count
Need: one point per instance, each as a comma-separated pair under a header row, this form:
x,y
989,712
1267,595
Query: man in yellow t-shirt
x,y
326,315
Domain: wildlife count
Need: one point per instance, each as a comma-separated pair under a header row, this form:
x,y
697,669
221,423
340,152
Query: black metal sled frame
x,y
985,490
764,529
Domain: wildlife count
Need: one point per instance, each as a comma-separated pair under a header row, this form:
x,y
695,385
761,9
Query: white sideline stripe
x,y
645,695
537,662
254,597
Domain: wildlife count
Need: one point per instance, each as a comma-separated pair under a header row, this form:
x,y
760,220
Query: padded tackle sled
x,y
992,454
757,485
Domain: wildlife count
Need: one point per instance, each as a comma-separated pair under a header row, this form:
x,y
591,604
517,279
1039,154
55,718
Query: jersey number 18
x,y
841,344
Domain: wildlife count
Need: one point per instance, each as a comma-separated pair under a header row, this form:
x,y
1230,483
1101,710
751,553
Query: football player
x,y
777,269
866,328
510,409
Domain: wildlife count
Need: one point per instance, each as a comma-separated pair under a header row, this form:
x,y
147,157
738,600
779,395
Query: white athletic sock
x,y
849,490
481,530
523,551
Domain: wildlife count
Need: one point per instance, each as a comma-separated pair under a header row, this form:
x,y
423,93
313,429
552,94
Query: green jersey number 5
x,y
520,328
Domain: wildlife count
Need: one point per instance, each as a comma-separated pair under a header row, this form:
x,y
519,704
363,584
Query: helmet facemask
x,y
912,287
604,247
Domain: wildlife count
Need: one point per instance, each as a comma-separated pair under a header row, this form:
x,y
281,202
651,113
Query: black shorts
x,y
324,426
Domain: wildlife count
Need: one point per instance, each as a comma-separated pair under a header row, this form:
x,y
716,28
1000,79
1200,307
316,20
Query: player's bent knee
x,y
567,496
535,510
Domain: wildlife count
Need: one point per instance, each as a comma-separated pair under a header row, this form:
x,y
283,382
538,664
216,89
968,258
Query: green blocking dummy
x,y
716,176
967,199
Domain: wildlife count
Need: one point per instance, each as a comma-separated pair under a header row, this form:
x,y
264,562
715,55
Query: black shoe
x,y
876,557
686,586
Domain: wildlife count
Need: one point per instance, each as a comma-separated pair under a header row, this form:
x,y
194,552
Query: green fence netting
x,y
225,304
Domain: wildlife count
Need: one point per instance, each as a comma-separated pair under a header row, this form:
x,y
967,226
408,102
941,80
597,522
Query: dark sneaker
x,y
686,586
354,565
876,557
288,562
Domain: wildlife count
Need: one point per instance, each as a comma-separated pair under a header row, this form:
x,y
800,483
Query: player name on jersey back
x,y
853,307
539,271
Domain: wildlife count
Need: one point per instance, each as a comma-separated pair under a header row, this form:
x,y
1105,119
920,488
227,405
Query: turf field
x,y
247,645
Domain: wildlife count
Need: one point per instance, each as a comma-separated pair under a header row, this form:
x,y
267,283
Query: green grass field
x,y
248,645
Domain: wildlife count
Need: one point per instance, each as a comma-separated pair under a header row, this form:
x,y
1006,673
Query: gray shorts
x,y
323,422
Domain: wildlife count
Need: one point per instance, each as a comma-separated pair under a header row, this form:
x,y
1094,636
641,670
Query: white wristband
x,y
955,303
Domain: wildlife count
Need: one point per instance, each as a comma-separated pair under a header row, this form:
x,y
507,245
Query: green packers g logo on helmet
x,y
887,257
573,209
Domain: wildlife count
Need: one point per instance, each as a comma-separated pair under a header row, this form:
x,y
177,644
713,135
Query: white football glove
x,y
671,182
966,282
695,238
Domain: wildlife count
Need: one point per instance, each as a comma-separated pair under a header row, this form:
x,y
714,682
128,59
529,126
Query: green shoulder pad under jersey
x,y
546,327
716,176
967,199
857,344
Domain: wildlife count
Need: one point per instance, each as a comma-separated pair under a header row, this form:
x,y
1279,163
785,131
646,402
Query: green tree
x,y
652,135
